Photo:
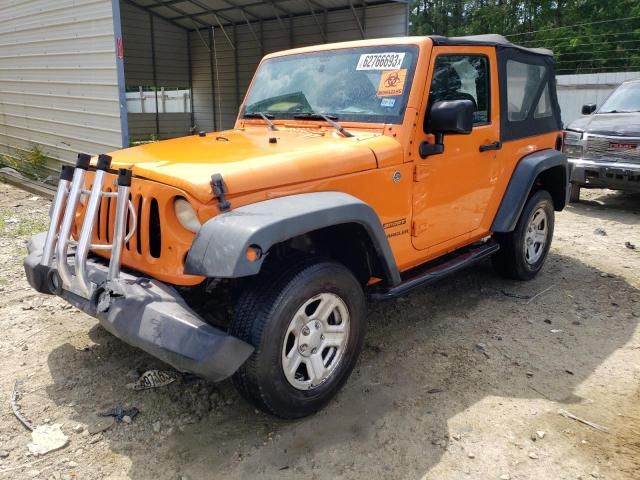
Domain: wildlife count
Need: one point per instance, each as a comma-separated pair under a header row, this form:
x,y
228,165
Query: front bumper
x,y
147,314
603,174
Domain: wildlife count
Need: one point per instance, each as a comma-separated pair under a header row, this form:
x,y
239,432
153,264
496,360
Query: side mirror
x,y
588,109
450,117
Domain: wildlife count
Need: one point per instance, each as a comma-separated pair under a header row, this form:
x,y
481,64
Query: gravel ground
x,y
463,379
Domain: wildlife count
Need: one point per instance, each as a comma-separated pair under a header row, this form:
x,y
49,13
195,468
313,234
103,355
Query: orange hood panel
x,y
247,161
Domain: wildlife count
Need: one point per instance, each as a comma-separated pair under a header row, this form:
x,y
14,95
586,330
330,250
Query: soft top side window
x,y
528,97
524,82
463,77
544,105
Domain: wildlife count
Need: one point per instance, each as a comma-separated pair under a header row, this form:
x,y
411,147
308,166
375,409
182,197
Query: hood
x,y
614,124
248,161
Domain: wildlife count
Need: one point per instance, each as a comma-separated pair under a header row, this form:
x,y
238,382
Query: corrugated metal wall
x,y
58,77
574,91
170,69
235,68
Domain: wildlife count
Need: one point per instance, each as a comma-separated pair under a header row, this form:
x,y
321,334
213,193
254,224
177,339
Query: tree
x,y
586,35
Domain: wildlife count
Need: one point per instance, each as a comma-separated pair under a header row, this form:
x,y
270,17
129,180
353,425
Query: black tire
x,y
261,318
511,260
574,195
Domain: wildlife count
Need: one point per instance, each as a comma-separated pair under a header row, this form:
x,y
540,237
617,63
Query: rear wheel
x,y
307,323
523,251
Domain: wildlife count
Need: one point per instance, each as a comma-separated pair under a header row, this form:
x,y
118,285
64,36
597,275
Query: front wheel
x,y
523,251
307,323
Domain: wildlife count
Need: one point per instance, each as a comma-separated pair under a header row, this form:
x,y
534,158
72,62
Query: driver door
x,y
452,190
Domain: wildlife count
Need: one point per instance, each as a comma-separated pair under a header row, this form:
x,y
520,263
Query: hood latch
x,y
219,190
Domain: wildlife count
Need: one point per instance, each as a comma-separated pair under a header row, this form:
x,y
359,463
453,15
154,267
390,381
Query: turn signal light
x,y
254,253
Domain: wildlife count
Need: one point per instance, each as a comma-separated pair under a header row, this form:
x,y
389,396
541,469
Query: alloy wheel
x,y
315,341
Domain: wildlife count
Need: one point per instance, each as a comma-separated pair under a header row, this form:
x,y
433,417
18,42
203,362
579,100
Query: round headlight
x,y
186,214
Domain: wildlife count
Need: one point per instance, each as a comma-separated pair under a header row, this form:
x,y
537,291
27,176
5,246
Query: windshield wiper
x,y
326,118
266,117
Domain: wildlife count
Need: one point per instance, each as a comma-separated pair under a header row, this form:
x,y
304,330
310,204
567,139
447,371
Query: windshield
x,y
625,99
369,84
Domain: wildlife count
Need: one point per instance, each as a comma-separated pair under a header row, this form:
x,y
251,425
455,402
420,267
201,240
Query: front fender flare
x,y
219,248
521,183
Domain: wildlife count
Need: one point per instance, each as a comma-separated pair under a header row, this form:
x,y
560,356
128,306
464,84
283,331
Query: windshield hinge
x,y
219,190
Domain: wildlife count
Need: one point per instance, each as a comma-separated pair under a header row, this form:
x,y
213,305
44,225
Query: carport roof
x,y
198,14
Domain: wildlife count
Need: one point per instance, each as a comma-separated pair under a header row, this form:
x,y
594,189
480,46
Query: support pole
x,y
364,17
155,73
213,85
120,73
291,34
357,19
315,19
237,67
224,32
190,63
275,12
325,24
261,38
253,33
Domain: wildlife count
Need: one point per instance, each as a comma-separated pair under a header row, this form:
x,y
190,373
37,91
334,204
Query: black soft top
x,y
490,39
530,81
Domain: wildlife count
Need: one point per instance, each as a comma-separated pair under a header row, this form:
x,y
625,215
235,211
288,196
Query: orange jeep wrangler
x,y
355,170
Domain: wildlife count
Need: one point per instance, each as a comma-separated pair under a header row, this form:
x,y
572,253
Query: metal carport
x,y
94,75
211,48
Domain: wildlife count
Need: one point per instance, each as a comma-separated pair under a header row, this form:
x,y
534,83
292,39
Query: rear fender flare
x,y
522,181
219,249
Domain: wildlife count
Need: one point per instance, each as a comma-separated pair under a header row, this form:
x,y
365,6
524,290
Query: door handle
x,y
491,146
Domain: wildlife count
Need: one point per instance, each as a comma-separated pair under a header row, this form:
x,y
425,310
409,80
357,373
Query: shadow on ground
x,y
614,205
421,366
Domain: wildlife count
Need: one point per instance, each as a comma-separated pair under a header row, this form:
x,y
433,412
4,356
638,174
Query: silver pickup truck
x,y
603,145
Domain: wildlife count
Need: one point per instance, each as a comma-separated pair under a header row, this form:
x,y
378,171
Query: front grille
x,y
159,244
148,230
155,233
613,149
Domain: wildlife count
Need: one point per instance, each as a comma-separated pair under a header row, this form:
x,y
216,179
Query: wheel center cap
x,y
311,338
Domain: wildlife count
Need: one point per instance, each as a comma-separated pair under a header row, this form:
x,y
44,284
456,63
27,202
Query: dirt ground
x,y
463,379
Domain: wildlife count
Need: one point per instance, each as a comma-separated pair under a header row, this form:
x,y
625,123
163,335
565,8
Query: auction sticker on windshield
x,y
392,83
380,61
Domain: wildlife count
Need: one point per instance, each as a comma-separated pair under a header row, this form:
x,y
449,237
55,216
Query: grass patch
x,y
17,224
135,141
31,163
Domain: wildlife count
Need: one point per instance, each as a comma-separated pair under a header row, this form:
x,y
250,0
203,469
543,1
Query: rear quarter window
x,y
524,82
528,97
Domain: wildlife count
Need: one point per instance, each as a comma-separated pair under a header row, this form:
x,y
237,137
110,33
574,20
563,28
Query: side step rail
x,y
424,277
